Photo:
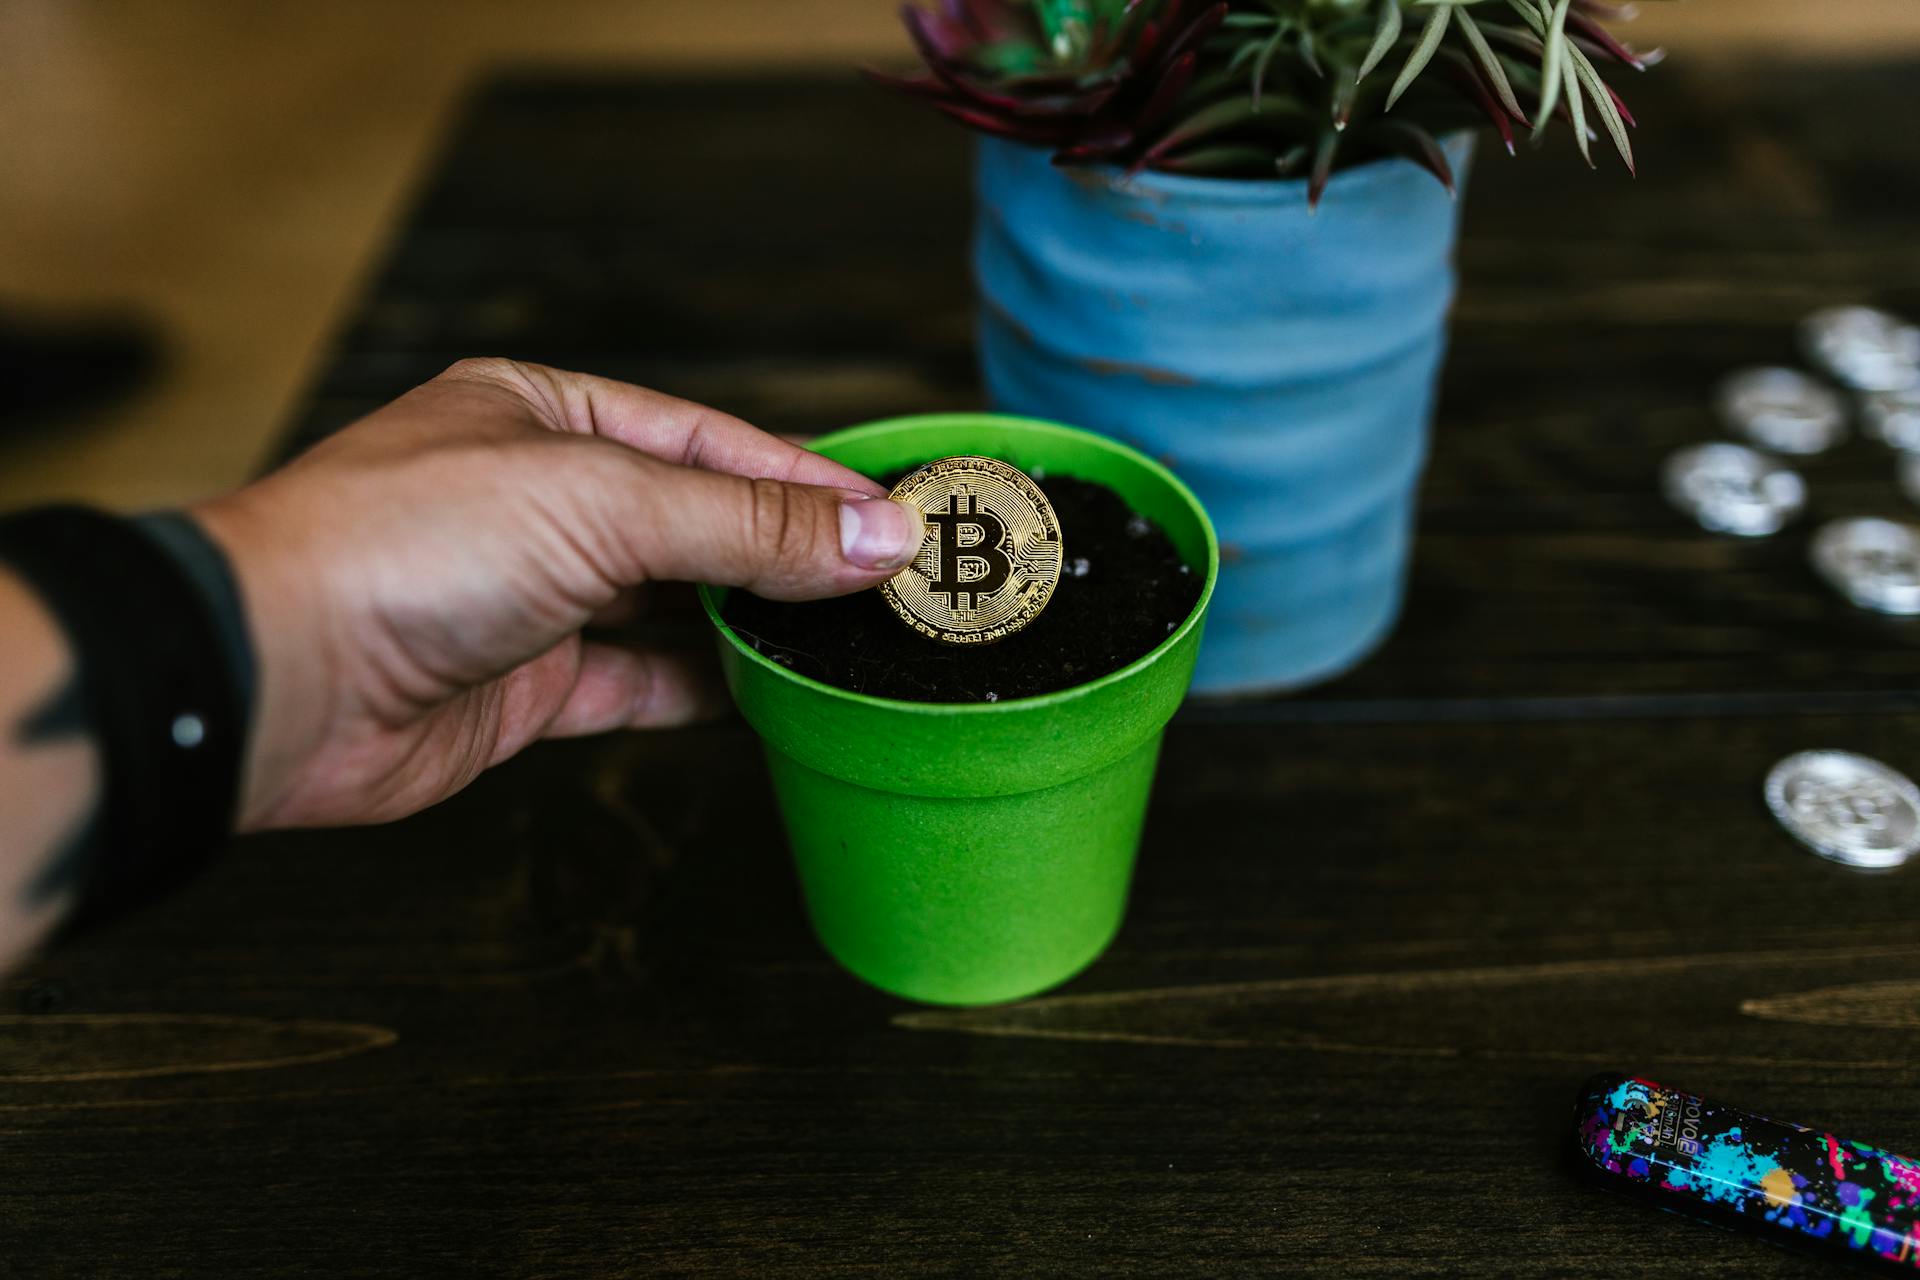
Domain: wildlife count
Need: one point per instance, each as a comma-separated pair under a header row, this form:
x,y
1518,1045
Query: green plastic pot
x,y
970,853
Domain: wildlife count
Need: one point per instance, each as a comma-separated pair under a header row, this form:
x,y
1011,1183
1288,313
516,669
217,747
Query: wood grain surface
x,y
573,1022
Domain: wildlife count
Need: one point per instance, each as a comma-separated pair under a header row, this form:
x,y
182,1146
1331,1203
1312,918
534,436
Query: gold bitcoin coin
x,y
991,556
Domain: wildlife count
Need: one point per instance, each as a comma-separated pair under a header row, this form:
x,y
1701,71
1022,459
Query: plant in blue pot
x,y
1224,234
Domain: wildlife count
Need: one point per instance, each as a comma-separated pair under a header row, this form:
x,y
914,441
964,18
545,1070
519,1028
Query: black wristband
x,y
206,564
165,672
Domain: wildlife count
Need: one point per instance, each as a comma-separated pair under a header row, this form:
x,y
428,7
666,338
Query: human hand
x,y
416,585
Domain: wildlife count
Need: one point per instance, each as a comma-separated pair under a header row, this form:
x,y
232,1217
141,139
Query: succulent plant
x,y
1269,88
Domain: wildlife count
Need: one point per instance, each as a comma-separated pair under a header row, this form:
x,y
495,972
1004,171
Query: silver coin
x,y
1783,410
1874,563
1730,488
1846,807
1867,349
1892,416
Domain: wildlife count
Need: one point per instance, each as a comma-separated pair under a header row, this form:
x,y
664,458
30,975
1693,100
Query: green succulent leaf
x,y
1490,63
1309,54
1386,30
1430,37
1231,114
1553,64
1070,26
1013,58
1243,159
1344,93
1325,152
1244,54
1576,107
1263,61
1589,79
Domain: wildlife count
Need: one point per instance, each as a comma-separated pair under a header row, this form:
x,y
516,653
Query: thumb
x,y
781,540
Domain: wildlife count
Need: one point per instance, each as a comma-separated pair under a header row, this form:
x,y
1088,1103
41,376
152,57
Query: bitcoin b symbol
x,y
991,557
972,562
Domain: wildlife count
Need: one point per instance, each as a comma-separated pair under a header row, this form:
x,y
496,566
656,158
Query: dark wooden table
x,y
573,1022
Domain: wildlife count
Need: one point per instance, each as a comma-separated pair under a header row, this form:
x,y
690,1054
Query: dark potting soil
x,y
1122,589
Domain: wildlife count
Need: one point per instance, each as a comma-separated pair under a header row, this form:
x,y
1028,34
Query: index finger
x,y
688,434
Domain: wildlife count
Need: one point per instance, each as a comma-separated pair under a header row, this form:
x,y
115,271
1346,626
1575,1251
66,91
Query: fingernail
x,y
879,533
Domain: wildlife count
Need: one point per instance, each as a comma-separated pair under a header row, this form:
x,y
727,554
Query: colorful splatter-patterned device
x,y
1797,1185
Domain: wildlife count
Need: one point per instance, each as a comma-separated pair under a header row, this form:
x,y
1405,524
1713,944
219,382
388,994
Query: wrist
x,y
289,651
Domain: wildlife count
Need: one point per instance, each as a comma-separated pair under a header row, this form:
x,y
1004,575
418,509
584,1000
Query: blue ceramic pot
x,y
1282,362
